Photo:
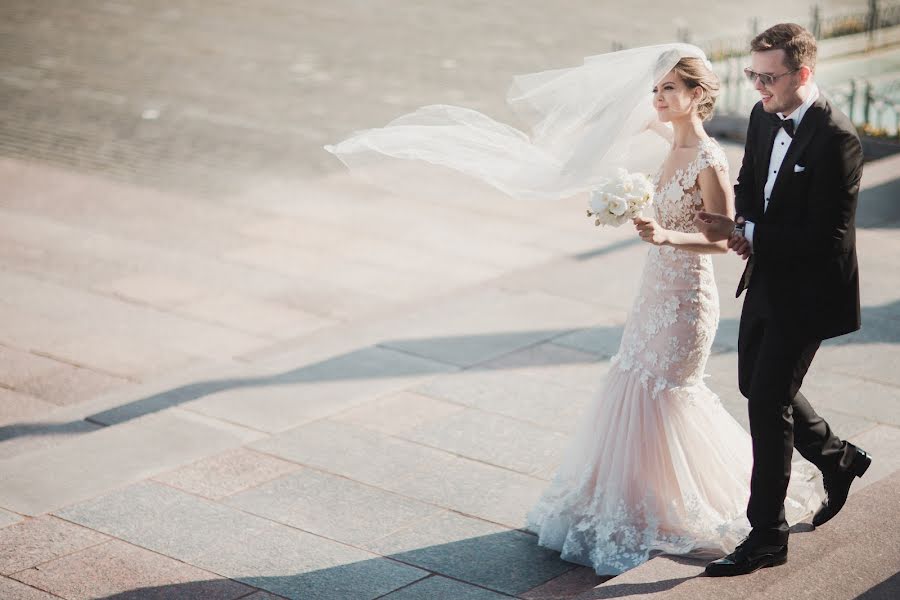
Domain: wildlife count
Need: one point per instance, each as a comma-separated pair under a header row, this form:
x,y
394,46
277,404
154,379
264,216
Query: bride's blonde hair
x,y
695,74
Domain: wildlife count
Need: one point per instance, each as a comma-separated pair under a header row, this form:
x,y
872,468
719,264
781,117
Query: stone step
x,y
97,461
856,555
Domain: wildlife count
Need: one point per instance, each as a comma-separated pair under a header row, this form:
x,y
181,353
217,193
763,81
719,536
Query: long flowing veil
x,y
585,122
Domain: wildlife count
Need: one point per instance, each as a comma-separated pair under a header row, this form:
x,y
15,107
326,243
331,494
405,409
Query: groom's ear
x,y
805,74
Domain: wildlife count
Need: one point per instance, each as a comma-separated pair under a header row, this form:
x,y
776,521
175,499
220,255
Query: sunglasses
x,y
765,78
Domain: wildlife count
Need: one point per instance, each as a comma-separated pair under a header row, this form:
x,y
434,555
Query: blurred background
x,y
213,96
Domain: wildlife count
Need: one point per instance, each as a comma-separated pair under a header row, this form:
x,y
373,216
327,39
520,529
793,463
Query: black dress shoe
x,y
746,558
837,486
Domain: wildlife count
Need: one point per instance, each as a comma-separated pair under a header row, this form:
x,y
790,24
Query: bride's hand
x,y
650,231
714,227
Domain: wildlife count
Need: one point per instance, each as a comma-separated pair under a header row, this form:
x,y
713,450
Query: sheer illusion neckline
x,y
678,174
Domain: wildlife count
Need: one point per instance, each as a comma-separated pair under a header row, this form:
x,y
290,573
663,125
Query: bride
x,y
657,465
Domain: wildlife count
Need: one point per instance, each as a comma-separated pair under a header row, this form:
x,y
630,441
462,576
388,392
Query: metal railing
x,y
878,15
872,107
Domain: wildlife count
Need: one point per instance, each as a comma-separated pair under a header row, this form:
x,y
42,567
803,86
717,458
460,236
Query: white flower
x,y
618,205
599,202
616,201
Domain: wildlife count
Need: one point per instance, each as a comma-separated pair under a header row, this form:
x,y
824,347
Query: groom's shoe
x,y
837,486
746,558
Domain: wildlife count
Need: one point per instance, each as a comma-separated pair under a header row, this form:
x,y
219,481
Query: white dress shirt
x,y
779,150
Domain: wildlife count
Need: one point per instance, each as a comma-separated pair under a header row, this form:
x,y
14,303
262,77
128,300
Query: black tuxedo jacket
x,y
804,244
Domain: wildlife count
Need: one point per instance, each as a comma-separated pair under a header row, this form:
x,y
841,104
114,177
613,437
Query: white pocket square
x,y
799,168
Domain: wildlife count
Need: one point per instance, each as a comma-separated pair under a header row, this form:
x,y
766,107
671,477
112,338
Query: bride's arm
x,y
718,198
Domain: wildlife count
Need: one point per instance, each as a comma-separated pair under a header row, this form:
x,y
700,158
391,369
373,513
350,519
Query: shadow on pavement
x,y
354,366
489,567
879,207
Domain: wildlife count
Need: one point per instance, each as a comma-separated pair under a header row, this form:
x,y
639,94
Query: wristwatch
x,y
738,228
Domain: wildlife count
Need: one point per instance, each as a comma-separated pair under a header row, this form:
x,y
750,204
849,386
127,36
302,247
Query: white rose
x,y
599,202
634,199
618,206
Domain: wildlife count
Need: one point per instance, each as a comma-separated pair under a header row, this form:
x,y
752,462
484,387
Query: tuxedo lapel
x,y
813,118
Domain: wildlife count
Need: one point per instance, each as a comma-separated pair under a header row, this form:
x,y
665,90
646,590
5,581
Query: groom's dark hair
x,y
798,44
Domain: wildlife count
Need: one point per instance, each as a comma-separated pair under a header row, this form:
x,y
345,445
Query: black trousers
x,y
771,367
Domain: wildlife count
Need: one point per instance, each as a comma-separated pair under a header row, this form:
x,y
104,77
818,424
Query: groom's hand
x,y
740,245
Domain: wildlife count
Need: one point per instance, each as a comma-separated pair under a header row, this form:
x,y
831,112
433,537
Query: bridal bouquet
x,y
620,199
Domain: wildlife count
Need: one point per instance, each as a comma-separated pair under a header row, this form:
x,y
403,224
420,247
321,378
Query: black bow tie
x,y
787,125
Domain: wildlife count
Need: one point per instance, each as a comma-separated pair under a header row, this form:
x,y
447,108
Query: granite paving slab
x,y
323,297
332,506
88,315
482,324
474,488
120,357
355,275
872,361
243,547
554,363
410,469
845,426
35,541
16,406
552,405
262,596
595,276
227,473
8,518
398,412
870,399
69,384
441,588
601,340
255,316
17,366
275,402
90,464
124,257
494,439
157,289
119,569
354,452
883,442
398,254
26,329
566,586
21,438
471,550
15,590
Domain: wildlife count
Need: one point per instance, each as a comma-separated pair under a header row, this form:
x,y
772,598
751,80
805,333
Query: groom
x,y
796,201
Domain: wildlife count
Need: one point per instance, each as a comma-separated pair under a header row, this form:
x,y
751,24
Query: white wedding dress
x,y
657,463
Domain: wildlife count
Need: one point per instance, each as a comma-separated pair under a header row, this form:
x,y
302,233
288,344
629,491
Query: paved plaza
x,y
228,370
